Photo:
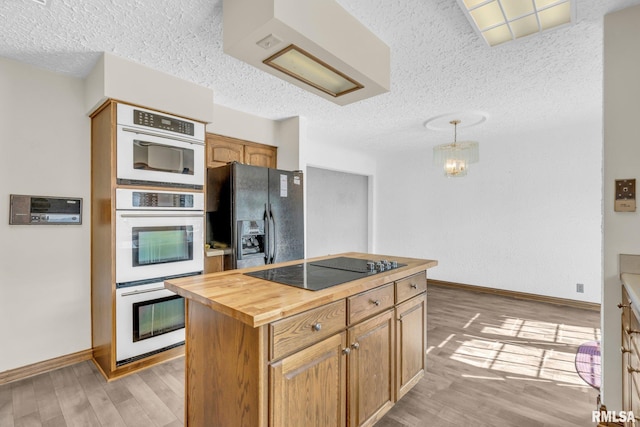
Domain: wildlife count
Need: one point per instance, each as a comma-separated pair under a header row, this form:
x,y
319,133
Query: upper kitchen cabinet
x,y
223,149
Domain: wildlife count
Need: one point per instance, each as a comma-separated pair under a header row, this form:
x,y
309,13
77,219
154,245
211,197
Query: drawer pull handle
x,y
316,327
375,302
621,305
414,286
355,345
624,350
632,370
346,351
630,331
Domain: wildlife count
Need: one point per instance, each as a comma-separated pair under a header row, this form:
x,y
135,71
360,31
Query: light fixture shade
x,y
305,67
455,157
500,21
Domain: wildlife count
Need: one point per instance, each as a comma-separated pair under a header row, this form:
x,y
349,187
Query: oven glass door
x,y
158,244
149,158
149,318
157,317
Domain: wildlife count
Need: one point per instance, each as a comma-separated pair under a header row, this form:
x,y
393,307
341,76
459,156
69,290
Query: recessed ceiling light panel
x,y
315,45
499,21
303,66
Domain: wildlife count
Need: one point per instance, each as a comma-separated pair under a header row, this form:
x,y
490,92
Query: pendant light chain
x,y
455,130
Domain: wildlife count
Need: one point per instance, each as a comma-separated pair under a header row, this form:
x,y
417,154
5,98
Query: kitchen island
x,y
260,353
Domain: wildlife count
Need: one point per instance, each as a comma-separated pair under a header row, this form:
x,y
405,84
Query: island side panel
x,y
225,372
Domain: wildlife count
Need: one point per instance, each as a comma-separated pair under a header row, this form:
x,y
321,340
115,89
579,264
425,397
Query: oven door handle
x,y
159,135
128,294
136,215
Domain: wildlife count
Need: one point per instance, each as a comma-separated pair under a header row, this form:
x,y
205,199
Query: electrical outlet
x,y
580,288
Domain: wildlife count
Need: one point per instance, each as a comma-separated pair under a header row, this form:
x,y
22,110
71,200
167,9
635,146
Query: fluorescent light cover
x,y
524,26
488,15
303,66
499,21
555,16
515,8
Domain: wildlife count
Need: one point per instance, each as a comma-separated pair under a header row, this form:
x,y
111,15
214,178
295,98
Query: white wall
x,y
127,81
44,270
324,155
337,212
526,218
621,160
237,124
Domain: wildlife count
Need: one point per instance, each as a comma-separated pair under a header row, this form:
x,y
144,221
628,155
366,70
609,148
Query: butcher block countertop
x,y
257,302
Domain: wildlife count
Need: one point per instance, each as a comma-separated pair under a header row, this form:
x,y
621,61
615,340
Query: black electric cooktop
x,y
317,275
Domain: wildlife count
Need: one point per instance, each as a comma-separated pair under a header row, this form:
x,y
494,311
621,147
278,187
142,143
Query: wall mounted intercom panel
x,y
40,210
625,195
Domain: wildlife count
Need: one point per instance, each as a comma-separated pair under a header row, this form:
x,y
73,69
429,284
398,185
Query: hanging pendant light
x,y
456,157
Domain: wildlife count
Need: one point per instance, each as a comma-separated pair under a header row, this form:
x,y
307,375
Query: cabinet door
x,y
411,336
309,387
371,367
213,264
222,150
260,156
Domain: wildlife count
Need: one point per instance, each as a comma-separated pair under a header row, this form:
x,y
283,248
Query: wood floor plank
x,y
149,401
55,422
99,400
491,361
24,402
46,399
29,420
6,406
133,414
75,406
172,400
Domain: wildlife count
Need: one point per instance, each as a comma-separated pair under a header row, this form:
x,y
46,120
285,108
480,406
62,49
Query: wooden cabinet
x,y
223,149
266,156
342,363
371,369
630,357
103,248
308,388
296,332
213,264
411,343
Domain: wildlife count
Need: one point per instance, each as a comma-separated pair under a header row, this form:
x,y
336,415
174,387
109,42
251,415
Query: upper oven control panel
x,y
153,122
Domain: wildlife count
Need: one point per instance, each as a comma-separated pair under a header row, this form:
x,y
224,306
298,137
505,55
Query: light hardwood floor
x,y
492,361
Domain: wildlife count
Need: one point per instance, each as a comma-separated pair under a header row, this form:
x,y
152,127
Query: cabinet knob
x,y
414,286
375,302
346,351
355,345
632,370
621,305
624,350
316,327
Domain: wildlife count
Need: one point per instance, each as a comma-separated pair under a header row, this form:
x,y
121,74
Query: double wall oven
x,y
159,227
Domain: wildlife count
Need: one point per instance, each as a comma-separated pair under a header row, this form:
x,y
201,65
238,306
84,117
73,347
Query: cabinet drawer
x,y
299,331
369,303
410,286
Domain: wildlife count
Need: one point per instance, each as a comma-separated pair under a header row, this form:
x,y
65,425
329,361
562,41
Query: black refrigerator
x,y
255,214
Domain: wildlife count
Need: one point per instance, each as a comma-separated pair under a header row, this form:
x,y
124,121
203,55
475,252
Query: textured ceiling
x,y
438,64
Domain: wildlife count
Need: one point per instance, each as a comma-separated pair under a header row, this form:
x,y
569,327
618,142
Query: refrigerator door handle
x,y
273,232
267,235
